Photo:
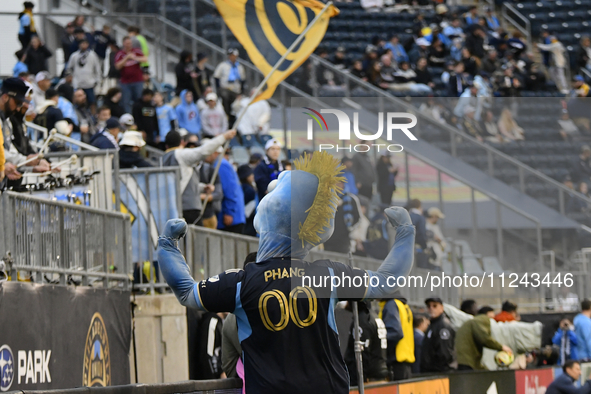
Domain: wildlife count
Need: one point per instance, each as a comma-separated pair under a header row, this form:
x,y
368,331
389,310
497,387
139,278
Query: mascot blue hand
x,y
175,229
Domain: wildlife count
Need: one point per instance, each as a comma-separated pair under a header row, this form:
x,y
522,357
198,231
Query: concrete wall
x,y
160,340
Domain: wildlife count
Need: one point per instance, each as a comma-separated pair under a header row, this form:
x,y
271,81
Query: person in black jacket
x,y
185,72
373,335
269,168
437,352
386,172
27,24
67,40
129,155
146,119
19,137
202,76
113,102
37,56
565,383
209,348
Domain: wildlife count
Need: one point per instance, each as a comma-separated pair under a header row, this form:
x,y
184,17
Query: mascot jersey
x,y
284,306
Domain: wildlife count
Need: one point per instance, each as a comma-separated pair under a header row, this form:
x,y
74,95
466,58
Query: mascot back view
x,y
284,306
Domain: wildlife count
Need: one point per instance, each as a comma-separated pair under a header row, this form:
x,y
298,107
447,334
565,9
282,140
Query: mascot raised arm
x,y
284,305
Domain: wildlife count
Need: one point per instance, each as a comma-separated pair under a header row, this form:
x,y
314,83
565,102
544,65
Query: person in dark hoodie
x,y
187,114
146,119
113,102
373,335
398,320
107,139
185,73
129,155
251,200
37,56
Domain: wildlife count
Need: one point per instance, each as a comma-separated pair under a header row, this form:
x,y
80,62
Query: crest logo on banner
x,y
97,359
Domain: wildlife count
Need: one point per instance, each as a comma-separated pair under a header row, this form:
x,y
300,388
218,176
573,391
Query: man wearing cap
x,y
213,120
269,168
140,42
188,160
144,113
435,238
127,122
129,154
85,66
437,353
79,35
229,79
107,139
127,61
397,318
14,94
48,114
27,24
581,89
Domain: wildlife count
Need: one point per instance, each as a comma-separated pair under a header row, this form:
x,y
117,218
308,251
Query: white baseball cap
x,y
42,76
127,120
271,143
132,138
423,42
211,97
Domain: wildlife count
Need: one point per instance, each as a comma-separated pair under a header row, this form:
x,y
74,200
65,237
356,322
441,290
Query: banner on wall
x,y
435,386
484,382
533,380
57,337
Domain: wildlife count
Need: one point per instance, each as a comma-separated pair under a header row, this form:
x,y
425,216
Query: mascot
x,y
284,306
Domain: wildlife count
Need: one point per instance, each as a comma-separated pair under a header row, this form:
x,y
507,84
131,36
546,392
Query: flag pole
x,y
357,344
258,90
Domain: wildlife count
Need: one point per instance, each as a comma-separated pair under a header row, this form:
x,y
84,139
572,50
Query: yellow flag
x,y
267,28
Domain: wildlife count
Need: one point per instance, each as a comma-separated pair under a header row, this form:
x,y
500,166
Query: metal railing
x,y
518,21
51,238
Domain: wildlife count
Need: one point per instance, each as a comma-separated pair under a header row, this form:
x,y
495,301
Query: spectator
x,y
269,168
340,59
418,220
113,102
139,42
358,71
565,383
516,46
508,127
146,119
86,125
114,75
27,24
48,114
471,17
79,35
167,120
67,41
254,160
508,313
580,88
209,350
346,218
372,334
406,80
202,104
128,122
490,63
103,114
584,54
202,75
80,22
127,61
433,109
535,79
386,175
475,42
364,174
420,325
20,66
86,70
102,42
470,62
457,81
469,123
473,337
507,85
492,22
65,86
398,51
566,338
229,78
490,128
246,176
214,199
37,55
19,138
437,352
423,75
470,307
107,138
558,63
213,120
420,49
232,217
185,74
187,159
187,114
437,53
256,118
435,238
129,155
454,30
582,324
397,318
350,185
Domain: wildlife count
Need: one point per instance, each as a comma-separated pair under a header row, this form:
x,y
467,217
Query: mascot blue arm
x,y
297,215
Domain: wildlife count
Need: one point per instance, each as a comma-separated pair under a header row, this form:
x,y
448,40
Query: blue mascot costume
x,y
284,306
